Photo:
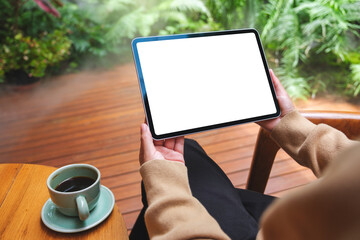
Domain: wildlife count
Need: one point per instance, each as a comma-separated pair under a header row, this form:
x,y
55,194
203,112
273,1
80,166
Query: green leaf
x,y
18,36
189,5
354,83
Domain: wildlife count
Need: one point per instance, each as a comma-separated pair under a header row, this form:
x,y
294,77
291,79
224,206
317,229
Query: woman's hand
x,y
169,149
285,103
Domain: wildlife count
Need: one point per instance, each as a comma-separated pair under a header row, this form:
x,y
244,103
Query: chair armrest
x,y
346,122
266,148
263,159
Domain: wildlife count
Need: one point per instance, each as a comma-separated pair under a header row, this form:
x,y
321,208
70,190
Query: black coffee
x,y
74,184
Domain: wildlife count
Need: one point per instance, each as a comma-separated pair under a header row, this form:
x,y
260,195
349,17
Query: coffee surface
x,y
74,184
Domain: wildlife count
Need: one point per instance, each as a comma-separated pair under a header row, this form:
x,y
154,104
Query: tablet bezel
x,y
209,127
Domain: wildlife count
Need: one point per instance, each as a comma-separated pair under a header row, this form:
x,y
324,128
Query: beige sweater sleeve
x,y
312,146
327,208
173,212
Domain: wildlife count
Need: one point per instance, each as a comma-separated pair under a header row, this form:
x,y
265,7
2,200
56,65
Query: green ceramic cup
x,y
78,203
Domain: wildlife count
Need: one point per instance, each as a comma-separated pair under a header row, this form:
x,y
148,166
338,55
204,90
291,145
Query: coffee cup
x,y
75,189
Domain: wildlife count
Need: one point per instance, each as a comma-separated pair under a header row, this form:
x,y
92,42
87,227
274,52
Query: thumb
x,y
147,143
279,88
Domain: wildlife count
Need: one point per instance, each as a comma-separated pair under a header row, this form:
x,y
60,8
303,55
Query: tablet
x,y
202,81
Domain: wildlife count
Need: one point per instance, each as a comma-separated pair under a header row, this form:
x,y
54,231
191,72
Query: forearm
x,y
327,208
173,213
311,145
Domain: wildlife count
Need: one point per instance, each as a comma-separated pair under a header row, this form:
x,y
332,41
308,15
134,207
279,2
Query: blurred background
x,y
312,45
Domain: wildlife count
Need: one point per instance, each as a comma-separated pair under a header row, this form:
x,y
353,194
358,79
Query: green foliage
x,y
228,14
33,55
29,39
313,44
181,16
298,31
296,86
354,85
103,30
33,21
100,31
86,35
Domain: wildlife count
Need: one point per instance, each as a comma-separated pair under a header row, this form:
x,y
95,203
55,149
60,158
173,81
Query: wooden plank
x,y
46,116
126,191
129,205
290,180
279,168
114,180
63,131
286,191
130,219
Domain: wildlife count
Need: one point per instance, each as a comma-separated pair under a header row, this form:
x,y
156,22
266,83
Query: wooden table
x,y
23,193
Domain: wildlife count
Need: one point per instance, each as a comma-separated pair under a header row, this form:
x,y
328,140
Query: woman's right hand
x,y
285,104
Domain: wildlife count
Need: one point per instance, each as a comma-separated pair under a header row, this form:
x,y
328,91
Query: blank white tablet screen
x,y
197,82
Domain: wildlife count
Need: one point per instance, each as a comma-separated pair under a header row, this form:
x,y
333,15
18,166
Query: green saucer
x,y
58,222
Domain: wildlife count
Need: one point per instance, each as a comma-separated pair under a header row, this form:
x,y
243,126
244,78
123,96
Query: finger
x,y
179,145
277,84
170,143
285,102
147,144
274,79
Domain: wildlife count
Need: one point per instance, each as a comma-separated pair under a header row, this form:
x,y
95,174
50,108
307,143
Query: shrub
x,y
33,55
26,45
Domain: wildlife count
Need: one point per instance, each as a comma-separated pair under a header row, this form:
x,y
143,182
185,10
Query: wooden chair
x,y
266,149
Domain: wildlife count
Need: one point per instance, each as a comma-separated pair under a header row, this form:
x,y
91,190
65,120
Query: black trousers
x,y
236,210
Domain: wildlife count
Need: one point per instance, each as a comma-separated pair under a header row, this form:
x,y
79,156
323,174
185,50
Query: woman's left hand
x,y
169,149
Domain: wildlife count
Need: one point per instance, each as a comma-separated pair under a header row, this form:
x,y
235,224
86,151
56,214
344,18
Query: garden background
x,y
312,45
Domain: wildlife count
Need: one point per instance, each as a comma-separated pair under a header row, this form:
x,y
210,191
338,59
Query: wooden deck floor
x,y
94,117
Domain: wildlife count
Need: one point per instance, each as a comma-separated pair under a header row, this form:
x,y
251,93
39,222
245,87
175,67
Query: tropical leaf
x,y
354,85
331,19
251,13
189,5
229,14
273,9
174,16
295,85
116,5
125,26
